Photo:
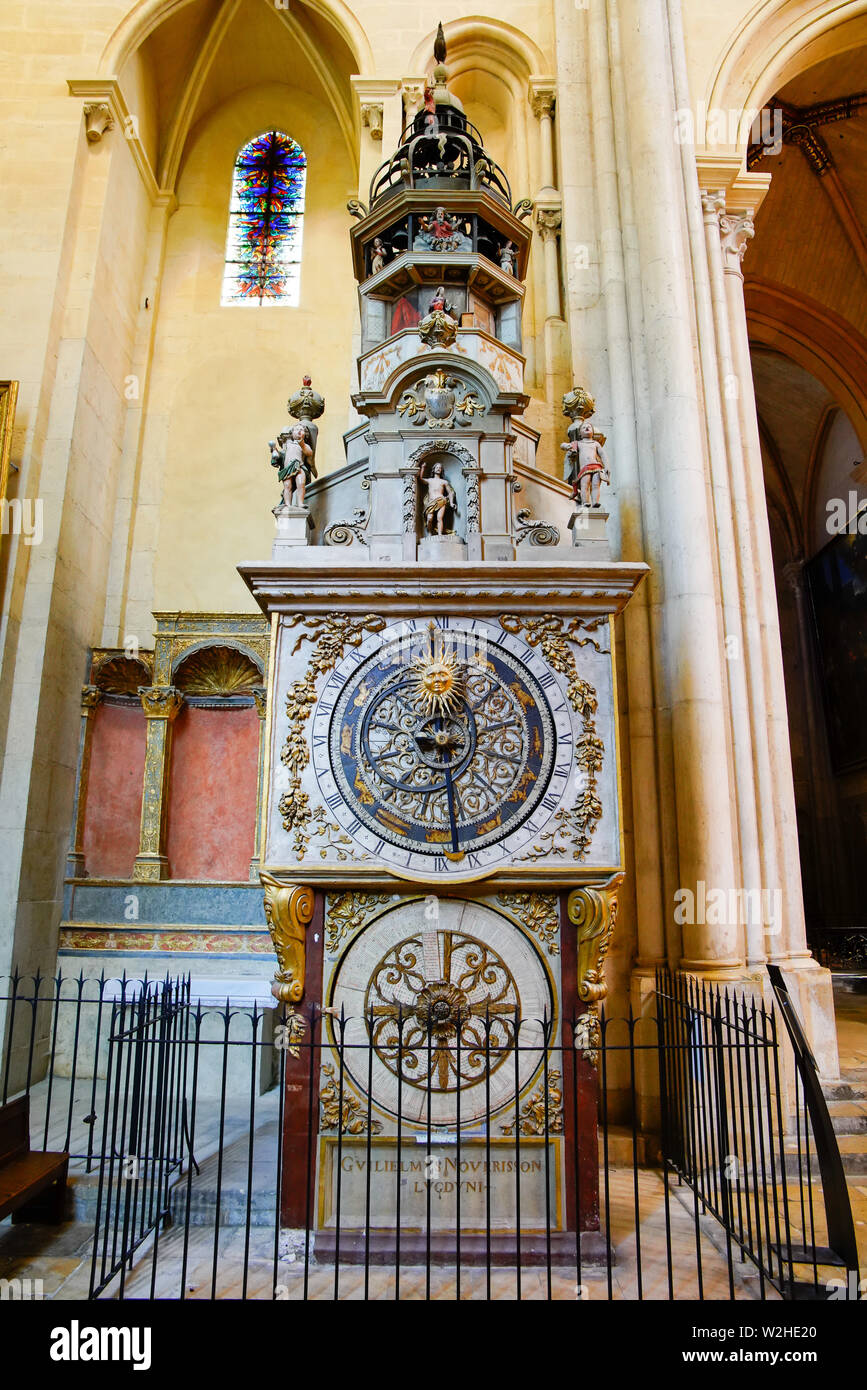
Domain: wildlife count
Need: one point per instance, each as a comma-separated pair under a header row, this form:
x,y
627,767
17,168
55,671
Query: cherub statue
x,y
438,500
379,255
507,257
292,456
585,465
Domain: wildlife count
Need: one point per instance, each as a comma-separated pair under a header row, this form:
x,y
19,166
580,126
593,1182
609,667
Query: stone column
x,y
260,698
161,704
91,696
736,229
548,220
541,95
734,546
689,627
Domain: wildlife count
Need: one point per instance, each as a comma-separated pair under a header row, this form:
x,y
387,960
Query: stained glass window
x,y
266,221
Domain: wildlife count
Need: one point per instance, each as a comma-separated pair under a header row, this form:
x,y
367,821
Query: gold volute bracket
x,y
593,912
288,911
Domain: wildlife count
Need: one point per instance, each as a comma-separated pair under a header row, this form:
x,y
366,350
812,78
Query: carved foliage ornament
x,y
341,1108
346,913
587,1036
288,910
575,824
543,1113
538,913
332,635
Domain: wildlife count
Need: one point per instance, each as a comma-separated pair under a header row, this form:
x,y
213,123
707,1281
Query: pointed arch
x,y
773,43
501,45
147,15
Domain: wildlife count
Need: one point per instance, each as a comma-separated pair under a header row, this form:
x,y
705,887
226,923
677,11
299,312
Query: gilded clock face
x,y
441,748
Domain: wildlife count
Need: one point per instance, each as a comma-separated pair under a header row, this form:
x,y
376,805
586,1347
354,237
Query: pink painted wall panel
x,y
112,814
212,793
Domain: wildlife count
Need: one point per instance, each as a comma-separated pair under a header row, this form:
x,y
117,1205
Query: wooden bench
x,y
32,1184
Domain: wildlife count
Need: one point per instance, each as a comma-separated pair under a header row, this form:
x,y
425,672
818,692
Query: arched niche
x,y
213,778
116,757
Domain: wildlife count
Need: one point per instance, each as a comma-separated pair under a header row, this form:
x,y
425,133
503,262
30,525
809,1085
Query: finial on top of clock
x,y
440,94
440,44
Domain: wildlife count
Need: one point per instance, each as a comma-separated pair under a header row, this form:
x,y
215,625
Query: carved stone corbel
x,y
593,911
288,912
371,117
97,120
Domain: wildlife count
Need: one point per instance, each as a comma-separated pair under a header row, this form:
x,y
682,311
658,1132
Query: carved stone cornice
x,y
564,586
593,912
288,912
160,701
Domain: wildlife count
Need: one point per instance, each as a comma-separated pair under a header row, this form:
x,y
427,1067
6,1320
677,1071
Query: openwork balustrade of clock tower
x,y
441,837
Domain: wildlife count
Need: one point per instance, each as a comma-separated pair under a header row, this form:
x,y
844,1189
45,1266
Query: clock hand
x,y
450,793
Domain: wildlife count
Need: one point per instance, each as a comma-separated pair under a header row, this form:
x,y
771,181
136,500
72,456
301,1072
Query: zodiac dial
x,y
441,747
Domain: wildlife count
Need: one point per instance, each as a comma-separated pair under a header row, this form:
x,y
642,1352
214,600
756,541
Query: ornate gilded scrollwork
x,y
587,1036
534,1112
344,1113
575,823
345,913
288,910
291,1033
594,914
333,634
539,913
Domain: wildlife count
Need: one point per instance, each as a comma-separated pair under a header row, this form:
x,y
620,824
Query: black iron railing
x,y
297,1154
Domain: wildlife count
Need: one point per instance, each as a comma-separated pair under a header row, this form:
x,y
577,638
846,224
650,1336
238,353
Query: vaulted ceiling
x,y
210,50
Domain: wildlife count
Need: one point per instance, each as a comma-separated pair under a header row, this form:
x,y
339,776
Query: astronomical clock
x,y
441,834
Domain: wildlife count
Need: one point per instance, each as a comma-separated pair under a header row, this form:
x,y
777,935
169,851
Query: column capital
x,y
542,95
160,701
736,231
549,217
91,696
713,202
793,573
260,699
412,92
